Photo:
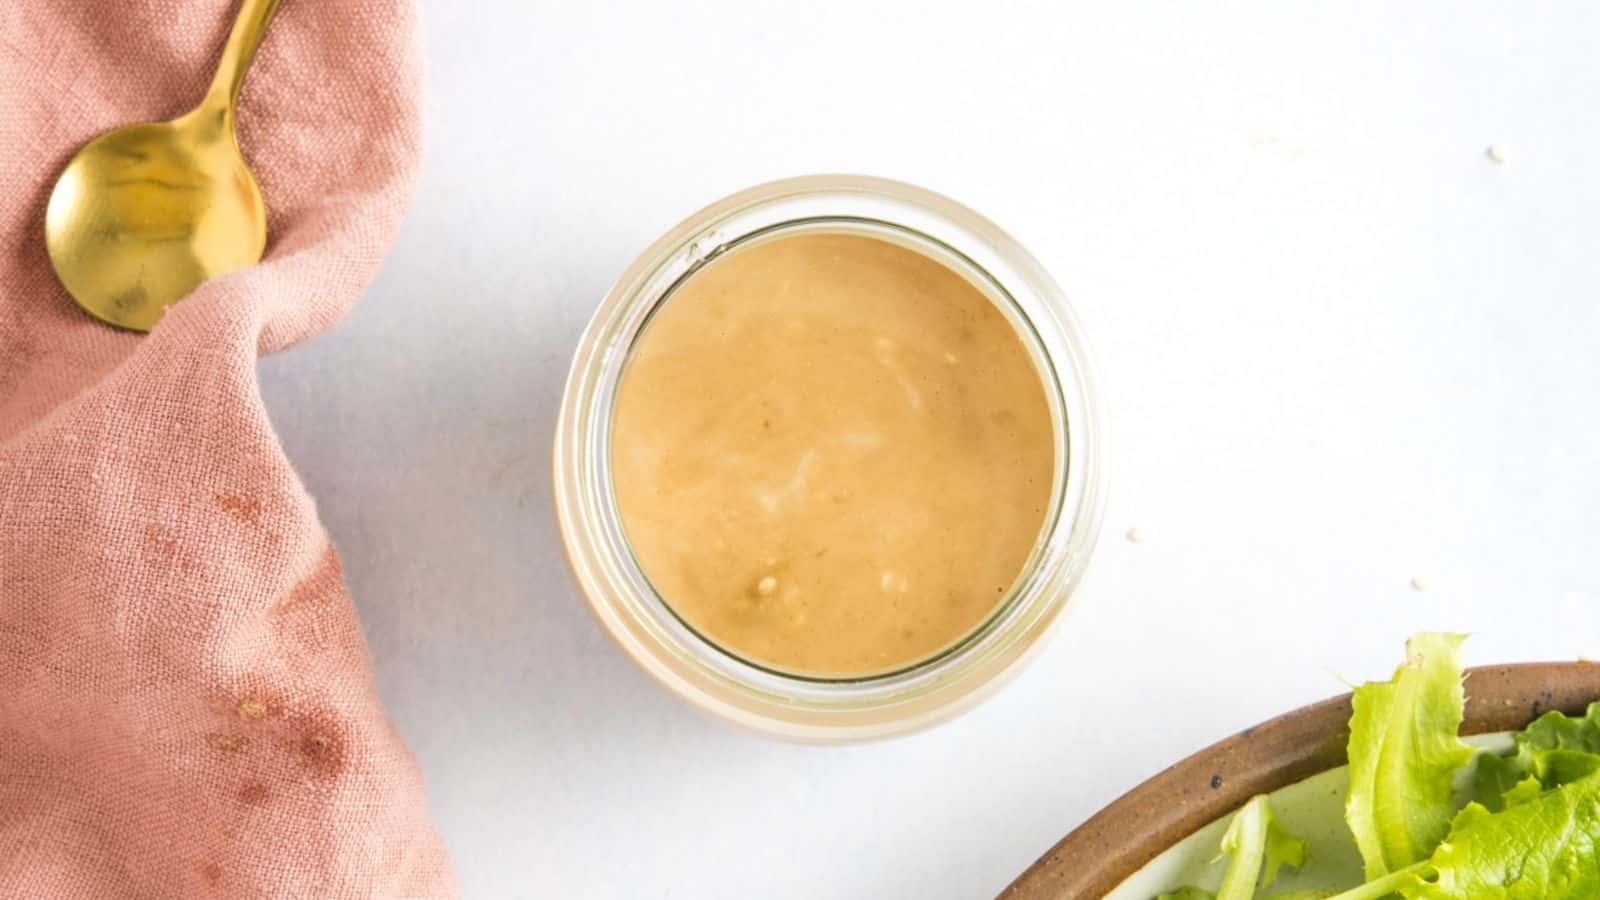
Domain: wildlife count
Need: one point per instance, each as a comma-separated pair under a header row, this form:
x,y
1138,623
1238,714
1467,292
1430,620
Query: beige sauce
x,y
832,454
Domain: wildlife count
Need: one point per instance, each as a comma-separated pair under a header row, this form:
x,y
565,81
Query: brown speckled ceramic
x,y
1121,838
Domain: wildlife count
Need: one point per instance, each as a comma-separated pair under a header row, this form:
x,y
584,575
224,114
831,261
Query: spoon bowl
x,y
144,214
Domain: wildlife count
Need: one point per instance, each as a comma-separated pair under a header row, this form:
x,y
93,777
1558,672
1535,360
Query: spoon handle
x,y
249,27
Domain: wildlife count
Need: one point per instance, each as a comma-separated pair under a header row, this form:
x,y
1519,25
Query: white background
x,y
1340,347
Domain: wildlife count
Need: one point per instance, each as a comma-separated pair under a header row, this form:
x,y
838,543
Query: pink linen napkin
x,y
187,707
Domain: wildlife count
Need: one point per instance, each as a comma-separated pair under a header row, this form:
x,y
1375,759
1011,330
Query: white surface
x,y
1341,349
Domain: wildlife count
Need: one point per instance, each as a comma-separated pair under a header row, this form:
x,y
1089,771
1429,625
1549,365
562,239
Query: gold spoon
x,y
144,214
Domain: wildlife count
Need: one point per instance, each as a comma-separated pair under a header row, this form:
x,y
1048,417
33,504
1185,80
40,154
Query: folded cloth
x,y
187,707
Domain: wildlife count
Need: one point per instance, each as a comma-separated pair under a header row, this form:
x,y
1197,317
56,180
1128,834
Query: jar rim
x,y
806,705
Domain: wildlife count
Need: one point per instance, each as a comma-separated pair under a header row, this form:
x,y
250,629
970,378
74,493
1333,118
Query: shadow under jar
x,y
829,461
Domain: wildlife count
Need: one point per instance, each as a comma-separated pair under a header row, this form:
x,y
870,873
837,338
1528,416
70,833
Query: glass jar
x,y
797,706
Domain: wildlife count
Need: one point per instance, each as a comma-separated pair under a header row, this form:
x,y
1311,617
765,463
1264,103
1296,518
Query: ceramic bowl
x,y
1164,833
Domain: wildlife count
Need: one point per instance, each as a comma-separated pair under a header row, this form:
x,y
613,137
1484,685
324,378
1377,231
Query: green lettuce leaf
x,y
1527,789
1545,849
1404,754
1554,731
1555,750
1495,777
1199,894
1258,846
1559,749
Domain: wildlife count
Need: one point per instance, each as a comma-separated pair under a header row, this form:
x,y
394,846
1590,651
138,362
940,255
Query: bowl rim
x,y
1120,839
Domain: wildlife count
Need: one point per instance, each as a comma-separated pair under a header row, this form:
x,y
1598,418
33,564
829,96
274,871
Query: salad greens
x,y
1257,847
1553,751
1404,754
1530,832
1546,848
1263,846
